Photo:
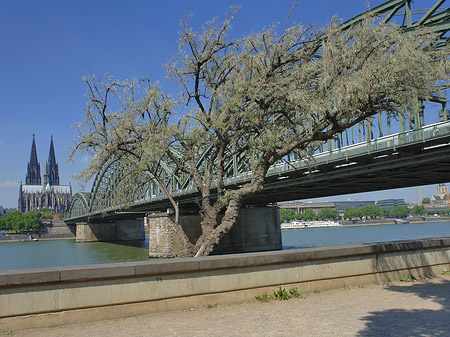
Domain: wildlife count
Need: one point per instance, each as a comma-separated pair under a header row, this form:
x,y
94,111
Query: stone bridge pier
x,y
257,229
119,230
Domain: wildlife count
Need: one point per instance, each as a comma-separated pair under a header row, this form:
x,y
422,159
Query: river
x,y
21,255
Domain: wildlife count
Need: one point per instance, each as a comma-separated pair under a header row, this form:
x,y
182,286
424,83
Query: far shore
x,y
391,221
24,238
49,231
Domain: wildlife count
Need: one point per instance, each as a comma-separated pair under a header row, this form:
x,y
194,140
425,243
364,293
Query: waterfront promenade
x,y
418,308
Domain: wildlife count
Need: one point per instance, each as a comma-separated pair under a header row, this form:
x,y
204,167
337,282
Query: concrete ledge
x,y
28,276
52,296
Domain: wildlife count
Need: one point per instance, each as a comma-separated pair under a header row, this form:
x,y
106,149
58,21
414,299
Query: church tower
x,y
33,195
51,176
34,168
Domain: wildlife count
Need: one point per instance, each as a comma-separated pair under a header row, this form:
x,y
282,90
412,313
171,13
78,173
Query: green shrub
x,y
263,298
281,294
293,292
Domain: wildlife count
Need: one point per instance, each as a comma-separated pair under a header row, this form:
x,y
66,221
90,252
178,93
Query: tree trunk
x,y
206,243
213,238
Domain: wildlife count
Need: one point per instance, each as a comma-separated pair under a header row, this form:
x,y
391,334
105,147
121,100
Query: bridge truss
x,y
364,152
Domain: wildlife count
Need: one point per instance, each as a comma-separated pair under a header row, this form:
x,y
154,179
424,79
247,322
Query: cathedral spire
x,y
34,168
51,167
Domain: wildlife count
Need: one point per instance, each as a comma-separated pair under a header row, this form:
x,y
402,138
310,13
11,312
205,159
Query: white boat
x,y
309,224
400,221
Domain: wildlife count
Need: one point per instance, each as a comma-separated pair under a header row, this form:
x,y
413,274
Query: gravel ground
x,y
419,308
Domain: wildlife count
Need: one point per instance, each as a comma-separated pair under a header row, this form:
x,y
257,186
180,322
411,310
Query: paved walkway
x,y
419,308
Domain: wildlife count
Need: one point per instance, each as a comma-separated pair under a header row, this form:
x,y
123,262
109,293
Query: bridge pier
x,y
257,229
119,230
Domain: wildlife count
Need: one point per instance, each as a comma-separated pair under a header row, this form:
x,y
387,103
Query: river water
x,y
21,255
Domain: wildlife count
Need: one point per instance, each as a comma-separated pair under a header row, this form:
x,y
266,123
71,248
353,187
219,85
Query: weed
x,y
8,332
281,294
211,306
317,291
361,286
446,272
263,298
293,292
408,279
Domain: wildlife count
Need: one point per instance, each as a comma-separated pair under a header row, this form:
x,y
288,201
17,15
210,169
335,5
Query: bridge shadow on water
x,y
414,322
131,243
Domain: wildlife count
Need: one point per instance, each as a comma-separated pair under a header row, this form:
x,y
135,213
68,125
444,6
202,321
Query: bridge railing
x,y
346,155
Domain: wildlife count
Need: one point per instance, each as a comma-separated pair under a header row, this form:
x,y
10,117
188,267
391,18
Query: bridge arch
x,y
80,204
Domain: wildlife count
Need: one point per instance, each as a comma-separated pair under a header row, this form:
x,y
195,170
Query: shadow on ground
x,y
400,322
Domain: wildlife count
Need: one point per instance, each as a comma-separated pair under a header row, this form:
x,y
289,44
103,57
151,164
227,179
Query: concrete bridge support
x,y
257,229
120,230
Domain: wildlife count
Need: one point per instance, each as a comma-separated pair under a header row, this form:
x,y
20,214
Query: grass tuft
x,y
408,279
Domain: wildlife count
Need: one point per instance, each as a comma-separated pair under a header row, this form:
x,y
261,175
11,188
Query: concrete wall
x,y
119,230
257,229
56,296
57,229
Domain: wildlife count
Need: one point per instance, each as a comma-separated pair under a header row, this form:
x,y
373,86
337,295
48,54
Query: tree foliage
x,y
287,215
20,222
351,213
399,211
418,210
46,213
372,211
367,211
260,97
309,215
328,214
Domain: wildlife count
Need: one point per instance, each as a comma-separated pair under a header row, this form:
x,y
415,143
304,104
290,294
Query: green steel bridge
x,y
379,153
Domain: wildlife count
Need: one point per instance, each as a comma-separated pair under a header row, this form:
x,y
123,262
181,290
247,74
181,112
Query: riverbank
x,y
50,230
401,309
391,221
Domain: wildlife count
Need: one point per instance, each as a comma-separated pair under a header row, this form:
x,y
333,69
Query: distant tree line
x,y
287,215
368,211
373,212
20,222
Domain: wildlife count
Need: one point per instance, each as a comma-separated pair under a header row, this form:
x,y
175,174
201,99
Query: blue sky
x,y
47,46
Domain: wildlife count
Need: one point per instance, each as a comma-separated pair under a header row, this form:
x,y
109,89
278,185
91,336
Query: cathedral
x,y
33,195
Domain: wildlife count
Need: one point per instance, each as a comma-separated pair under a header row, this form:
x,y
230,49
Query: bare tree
x,y
265,96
